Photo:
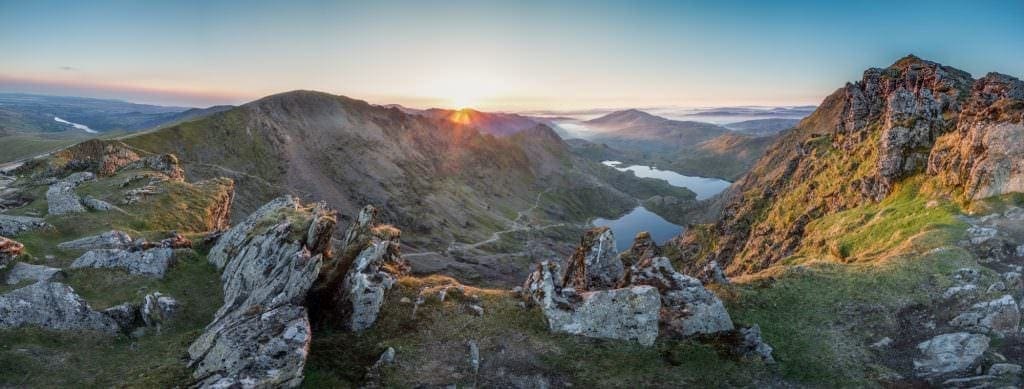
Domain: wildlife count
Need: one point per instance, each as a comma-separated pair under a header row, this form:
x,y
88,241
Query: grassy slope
x,y
31,356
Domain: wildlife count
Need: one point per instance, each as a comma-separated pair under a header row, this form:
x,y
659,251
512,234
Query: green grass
x,y
21,146
38,358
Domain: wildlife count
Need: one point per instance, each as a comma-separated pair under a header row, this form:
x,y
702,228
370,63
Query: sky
x,y
510,55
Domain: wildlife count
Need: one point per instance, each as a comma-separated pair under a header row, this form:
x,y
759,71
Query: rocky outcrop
x,y
643,248
156,309
9,250
260,336
153,262
1000,316
106,241
626,313
985,154
687,308
51,305
97,204
950,353
682,306
11,225
914,117
61,198
595,264
351,290
22,272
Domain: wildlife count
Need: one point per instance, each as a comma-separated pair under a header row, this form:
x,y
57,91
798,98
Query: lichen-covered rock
x,y
595,264
11,225
97,204
266,349
109,240
51,305
687,307
260,336
9,250
125,315
353,285
627,313
21,272
61,199
1000,316
153,262
643,247
949,353
751,345
157,308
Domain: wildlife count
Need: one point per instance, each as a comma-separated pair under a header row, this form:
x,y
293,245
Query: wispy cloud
x,y
68,68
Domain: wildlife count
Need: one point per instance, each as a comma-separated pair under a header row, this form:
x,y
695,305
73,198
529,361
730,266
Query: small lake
x,y
704,187
639,219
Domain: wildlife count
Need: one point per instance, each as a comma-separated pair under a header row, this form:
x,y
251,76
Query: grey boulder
x,y
61,199
108,240
51,305
949,353
152,262
11,225
687,307
1000,316
21,272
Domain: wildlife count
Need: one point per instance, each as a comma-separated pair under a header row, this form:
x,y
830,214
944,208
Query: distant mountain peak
x,y
626,118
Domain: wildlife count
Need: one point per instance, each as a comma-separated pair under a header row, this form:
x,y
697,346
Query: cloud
x,y
68,68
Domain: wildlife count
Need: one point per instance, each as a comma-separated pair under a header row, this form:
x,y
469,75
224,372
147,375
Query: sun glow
x,y
465,89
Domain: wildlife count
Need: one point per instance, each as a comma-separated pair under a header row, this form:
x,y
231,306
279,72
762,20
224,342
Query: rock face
x,y
51,305
1000,316
12,225
626,313
106,241
21,272
157,309
643,247
260,336
9,250
687,308
153,262
985,153
949,353
594,265
352,290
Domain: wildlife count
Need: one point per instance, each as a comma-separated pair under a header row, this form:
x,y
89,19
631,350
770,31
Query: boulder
x,y
97,204
9,250
1005,369
1000,316
627,314
752,346
153,262
12,225
156,309
61,199
54,306
366,284
595,264
21,272
260,336
949,353
106,241
125,315
687,307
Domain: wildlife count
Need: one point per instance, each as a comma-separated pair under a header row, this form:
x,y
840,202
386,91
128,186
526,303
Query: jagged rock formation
x,y
914,117
595,264
51,305
152,262
686,307
154,310
984,155
626,313
643,248
9,250
1000,316
352,287
61,199
11,225
648,293
105,158
22,271
260,336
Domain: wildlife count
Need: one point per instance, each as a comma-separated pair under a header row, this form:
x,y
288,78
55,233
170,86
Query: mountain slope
x,y
763,127
914,124
445,182
497,124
